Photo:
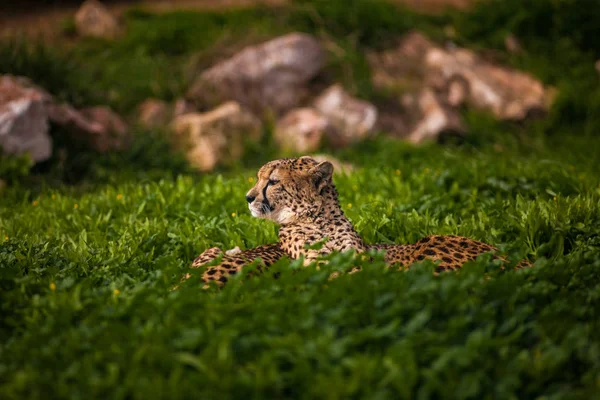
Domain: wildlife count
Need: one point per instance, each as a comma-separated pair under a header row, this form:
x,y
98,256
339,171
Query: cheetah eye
x,y
273,181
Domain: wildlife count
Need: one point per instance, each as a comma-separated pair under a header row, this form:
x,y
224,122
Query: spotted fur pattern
x,y
232,264
300,196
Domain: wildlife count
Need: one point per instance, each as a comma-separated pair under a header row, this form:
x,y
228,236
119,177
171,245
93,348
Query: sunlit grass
x,y
87,306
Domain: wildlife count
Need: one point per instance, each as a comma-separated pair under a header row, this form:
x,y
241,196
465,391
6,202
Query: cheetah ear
x,y
321,174
306,158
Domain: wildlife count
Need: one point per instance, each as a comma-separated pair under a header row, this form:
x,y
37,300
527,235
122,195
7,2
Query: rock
x,y
23,120
458,77
394,121
216,137
436,120
153,113
301,130
507,93
26,83
597,65
182,106
458,90
94,19
401,69
269,76
336,115
338,166
114,134
352,119
99,127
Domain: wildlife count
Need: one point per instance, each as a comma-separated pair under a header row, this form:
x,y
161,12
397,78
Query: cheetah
x,y
299,195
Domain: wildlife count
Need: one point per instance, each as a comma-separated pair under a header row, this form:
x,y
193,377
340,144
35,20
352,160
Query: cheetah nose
x,y
249,198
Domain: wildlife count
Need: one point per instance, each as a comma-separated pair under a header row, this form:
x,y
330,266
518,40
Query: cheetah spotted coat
x,y
299,195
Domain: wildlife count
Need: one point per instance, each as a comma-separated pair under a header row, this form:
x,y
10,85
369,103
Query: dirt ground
x,y
30,18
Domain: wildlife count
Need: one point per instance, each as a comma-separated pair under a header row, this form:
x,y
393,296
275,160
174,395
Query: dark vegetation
x,y
90,245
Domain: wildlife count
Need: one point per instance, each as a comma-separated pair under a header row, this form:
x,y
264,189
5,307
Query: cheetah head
x,y
288,190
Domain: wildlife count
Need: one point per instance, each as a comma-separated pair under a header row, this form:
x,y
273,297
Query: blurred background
x,y
96,90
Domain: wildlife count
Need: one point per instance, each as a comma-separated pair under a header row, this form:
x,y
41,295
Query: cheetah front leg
x,y
207,256
233,261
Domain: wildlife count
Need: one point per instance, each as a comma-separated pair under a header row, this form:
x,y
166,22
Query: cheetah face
x,y
288,190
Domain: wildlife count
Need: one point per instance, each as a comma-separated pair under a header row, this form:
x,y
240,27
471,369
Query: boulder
x,y
301,130
353,119
436,120
99,127
153,113
400,69
216,137
270,76
457,91
23,120
507,93
114,132
182,106
418,75
94,19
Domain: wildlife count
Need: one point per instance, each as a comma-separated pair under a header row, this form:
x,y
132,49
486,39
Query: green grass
x,y
88,312
92,244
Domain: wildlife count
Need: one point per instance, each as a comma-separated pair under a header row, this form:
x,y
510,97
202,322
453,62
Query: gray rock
x,y
302,130
353,119
99,127
507,93
400,69
216,137
269,76
113,133
436,120
182,106
426,84
23,120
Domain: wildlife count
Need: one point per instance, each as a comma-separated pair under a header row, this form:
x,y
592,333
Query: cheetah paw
x,y
234,251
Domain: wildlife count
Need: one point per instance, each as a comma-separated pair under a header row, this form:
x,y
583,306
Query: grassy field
x,y
88,312
91,245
